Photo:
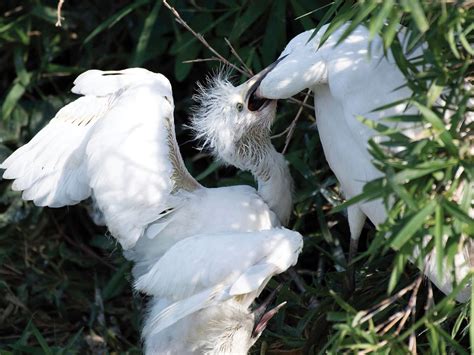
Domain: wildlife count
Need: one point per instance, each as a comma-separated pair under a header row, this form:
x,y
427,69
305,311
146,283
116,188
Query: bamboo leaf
x,y
438,234
454,210
377,22
437,124
41,340
140,52
417,12
114,19
399,266
412,226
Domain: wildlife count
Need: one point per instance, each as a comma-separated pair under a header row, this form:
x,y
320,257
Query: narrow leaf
x,y
438,234
412,226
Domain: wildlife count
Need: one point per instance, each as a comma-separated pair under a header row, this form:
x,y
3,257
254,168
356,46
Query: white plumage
x,y
350,79
200,253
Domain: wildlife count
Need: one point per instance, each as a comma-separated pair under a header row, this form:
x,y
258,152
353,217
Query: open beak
x,y
255,103
263,315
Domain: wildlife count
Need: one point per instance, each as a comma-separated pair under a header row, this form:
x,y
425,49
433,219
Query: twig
x,y
81,246
58,13
411,307
200,60
299,102
234,52
385,303
297,279
218,56
201,38
293,123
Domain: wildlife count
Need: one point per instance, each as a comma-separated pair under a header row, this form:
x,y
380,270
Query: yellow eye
x,y
239,107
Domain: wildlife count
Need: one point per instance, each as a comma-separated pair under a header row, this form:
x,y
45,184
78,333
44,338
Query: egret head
x,y
300,66
232,122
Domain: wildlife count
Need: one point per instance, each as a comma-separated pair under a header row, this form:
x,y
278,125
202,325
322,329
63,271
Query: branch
x,y
217,56
58,13
201,39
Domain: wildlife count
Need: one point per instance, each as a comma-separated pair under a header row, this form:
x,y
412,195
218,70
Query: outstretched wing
x,y
118,141
51,169
222,266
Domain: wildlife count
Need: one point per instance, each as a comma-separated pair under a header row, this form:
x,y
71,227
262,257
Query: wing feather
x,y
118,141
222,266
218,258
50,169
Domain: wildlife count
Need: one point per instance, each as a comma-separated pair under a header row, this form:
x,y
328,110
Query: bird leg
x,y
356,220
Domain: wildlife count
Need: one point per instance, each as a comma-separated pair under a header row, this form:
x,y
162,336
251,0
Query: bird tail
x,y
160,319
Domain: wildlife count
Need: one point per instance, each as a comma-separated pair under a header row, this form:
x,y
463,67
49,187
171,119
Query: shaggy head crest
x,y
224,123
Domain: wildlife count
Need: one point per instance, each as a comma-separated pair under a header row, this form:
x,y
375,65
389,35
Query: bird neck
x,y
275,184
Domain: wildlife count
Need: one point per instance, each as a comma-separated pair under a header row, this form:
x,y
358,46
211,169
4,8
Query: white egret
x,y
117,144
347,80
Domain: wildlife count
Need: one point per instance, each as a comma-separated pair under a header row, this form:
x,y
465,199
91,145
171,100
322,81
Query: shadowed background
x,y
64,286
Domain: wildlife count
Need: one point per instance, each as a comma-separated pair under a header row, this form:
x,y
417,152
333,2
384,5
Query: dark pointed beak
x,y
254,102
263,315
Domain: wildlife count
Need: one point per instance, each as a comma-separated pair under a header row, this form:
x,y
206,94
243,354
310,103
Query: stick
x,y
58,13
293,123
234,52
200,38
217,55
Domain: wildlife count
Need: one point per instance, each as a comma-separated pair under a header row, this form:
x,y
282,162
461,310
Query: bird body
x,y
200,253
213,280
349,80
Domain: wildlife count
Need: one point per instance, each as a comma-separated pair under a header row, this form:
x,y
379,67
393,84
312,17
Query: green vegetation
x,y
65,286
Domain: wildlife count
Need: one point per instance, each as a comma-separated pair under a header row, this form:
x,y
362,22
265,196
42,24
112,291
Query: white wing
x,y
222,266
50,169
118,140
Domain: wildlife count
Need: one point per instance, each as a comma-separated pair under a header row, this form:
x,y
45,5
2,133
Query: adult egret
x,y
117,144
347,80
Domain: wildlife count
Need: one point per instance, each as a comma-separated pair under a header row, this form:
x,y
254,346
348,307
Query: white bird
x,y
117,144
347,80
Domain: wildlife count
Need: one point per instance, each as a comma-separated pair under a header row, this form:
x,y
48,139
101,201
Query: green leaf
x,y
398,268
363,11
438,125
209,170
15,94
41,340
142,45
417,13
377,22
370,192
400,190
454,210
182,69
438,234
452,43
471,313
465,43
332,10
114,19
433,93
413,225
252,13
116,283
340,20
392,27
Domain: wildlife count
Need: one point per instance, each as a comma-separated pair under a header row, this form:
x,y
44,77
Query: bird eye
x,y
239,107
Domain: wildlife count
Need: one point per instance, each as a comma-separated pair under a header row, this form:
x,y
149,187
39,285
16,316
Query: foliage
x,y
65,286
